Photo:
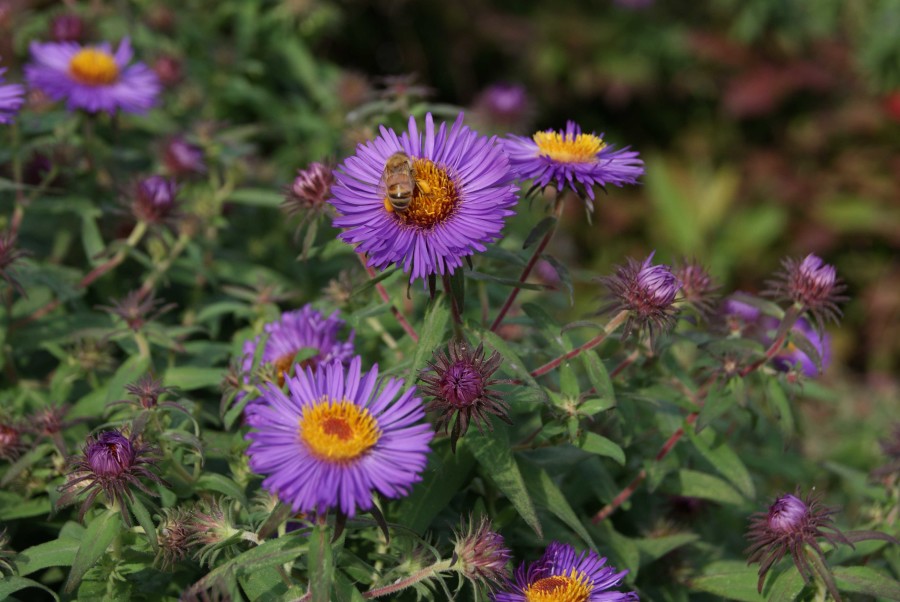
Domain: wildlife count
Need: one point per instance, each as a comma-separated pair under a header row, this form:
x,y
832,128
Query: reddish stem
x,y
528,267
611,327
382,292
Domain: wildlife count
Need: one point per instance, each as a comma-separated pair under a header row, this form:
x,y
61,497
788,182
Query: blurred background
x,y
769,127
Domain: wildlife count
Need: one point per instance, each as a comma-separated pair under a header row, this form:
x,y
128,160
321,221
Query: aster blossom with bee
x,y
564,575
461,195
572,159
92,78
337,437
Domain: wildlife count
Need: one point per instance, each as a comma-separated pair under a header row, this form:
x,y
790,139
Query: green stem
x,y
420,575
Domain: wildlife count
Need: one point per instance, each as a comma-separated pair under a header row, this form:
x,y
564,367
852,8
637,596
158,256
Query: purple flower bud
x,y
67,28
697,287
154,199
481,554
647,292
110,455
461,386
168,69
309,190
504,104
10,441
812,284
183,158
788,513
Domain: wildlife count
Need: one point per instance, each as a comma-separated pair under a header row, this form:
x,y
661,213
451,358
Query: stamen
x,y
582,148
434,199
559,588
338,431
94,67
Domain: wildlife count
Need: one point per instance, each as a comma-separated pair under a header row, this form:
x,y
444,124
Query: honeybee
x,y
400,182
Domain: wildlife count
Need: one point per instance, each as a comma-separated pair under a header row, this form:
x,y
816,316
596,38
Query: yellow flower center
x,y
338,431
94,67
284,364
582,148
559,588
434,197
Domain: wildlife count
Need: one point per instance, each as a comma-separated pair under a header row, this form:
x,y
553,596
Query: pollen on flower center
x,y
581,148
435,197
559,588
94,67
338,431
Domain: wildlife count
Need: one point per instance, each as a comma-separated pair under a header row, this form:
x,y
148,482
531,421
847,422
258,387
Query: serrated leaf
x,y
601,446
547,495
730,579
495,456
442,479
430,337
866,580
724,460
541,228
59,552
97,537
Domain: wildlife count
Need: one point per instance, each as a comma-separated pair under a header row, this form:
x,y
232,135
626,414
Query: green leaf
x,y
779,399
430,336
866,580
784,585
547,495
511,360
213,481
344,590
144,520
690,483
320,563
190,378
256,197
444,476
39,506
718,401
59,552
131,370
601,446
724,460
12,584
654,548
730,579
495,457
598,376
541,228
371,282
91,239
99,534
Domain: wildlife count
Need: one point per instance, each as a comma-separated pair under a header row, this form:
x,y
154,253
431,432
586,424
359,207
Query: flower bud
x,y
154,199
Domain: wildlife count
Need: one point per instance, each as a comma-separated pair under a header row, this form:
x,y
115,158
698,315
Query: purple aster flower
x,y
93,78
811,284
111,464
572,159
563,574
460,193
12,97
182,158
791,526
337,437
647,292
154,199
791,355
304,328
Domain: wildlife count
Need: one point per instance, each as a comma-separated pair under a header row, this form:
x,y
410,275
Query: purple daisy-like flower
x,y
563,574
12,97
460,192
93,78
304,328
792,355
337,437
572,159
